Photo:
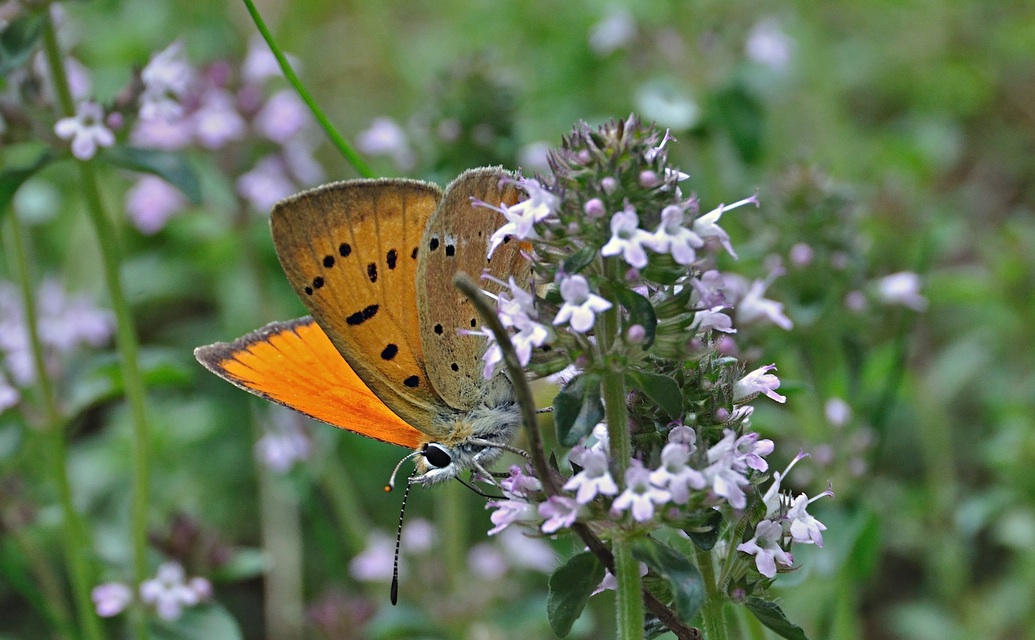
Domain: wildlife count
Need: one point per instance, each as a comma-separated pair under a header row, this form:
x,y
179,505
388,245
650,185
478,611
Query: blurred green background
x,y
884,136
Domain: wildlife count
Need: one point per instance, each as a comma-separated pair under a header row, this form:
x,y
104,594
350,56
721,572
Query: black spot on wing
x,y
411,382
454,367
372,272
344,249
414,254
438,329
391,258
389,352
450,250
433,244
362,316
328,261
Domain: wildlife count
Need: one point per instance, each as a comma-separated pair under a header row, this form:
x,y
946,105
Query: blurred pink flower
x,y
151,202
266,184
282,117
86,130
217,122
111,598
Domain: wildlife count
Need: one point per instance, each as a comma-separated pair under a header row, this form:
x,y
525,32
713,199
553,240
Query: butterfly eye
x,y
437,455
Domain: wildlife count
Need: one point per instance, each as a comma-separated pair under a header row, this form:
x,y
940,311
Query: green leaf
x,y
171,167
741,116
577,408
18,39
641,312
209,621
100,380
707,533
661,389
771,615
11,179
683,577
570,587
580,259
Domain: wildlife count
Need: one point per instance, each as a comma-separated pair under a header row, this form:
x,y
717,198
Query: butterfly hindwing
x,y
294,364
350,251
457,240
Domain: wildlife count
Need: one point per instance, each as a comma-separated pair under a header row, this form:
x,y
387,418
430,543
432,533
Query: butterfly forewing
x,y
294,364
349,250
457,240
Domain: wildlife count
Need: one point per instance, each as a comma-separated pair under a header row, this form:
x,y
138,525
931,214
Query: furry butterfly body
x,y
381,354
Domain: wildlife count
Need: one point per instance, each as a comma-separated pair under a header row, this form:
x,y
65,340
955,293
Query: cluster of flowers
x,y
174,106
168,593
611,231
65,323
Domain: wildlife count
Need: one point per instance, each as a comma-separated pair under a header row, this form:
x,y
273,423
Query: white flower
x,y
673,238
902,288
765,546
282,117
803,527
166,78
675,474
640,495
86,130
580,305
595,478
837,411
707,226
758,381
521,217
628,239
168,592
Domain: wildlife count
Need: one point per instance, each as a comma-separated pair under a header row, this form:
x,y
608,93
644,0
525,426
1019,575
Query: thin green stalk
x,y
335,137
628,599
125,330
282,541
714,600
46,595
76,538
345,500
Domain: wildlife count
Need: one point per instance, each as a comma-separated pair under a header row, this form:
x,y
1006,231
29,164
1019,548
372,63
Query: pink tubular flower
x,y
111,598
580,304
522,217
707,226
640,496
560,512
758,381
151,202
510,511
673,238
765,546
713,319
628,239
595,478
675,474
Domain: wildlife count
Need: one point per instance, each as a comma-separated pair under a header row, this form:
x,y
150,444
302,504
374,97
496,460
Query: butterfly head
x,y
476,438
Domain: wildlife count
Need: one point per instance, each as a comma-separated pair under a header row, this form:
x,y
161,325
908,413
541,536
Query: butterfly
x,y
384,352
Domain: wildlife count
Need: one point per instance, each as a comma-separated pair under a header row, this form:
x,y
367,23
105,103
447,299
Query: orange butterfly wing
x,y
294,364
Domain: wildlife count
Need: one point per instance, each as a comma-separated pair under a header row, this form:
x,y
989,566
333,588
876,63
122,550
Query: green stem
x,y
335,137
714,599
628,599
125,331
282,542
612,384
74,534
345,500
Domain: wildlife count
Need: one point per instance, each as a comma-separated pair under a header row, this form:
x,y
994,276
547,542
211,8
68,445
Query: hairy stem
x,y
714,600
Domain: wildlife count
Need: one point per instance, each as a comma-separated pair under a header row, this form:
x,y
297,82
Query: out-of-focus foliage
x,y
882,138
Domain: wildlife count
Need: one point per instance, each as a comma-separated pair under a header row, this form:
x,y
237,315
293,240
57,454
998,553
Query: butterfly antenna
x,y
398,541
391,480
477,490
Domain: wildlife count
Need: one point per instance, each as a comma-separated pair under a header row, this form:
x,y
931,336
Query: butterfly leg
x,y
500,445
